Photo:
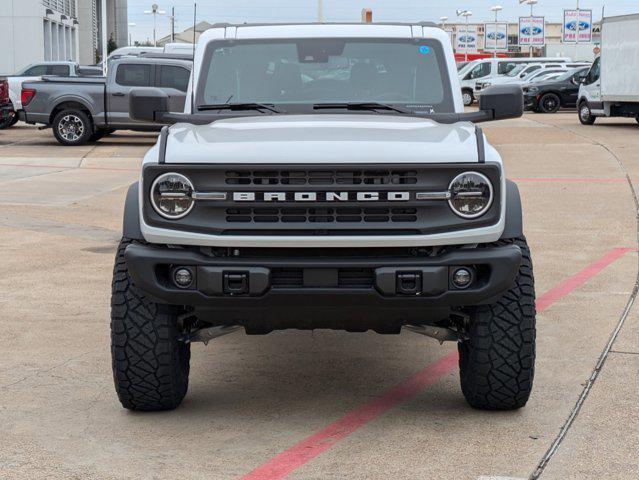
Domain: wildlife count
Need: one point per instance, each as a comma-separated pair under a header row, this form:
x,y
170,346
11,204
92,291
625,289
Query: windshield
x,y
570,73
515,71
309,72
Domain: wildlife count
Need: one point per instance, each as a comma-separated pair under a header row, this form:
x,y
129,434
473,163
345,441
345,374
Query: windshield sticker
x,y
424,49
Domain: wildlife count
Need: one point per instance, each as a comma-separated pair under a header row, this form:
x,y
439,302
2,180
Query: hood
x,y
322,138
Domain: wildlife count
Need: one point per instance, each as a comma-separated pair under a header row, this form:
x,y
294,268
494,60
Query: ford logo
x,y
467,39
531,31
496,35
572,26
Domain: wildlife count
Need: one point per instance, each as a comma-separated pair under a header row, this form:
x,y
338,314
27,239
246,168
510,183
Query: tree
x,y
111,45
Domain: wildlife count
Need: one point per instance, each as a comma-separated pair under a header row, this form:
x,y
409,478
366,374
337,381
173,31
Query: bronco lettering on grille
x,y
321,196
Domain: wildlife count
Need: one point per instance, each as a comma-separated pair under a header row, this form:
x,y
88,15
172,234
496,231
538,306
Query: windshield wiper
x,y
361,106
240,106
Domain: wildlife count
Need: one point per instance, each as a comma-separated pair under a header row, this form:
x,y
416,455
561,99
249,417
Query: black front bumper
x,y
358,293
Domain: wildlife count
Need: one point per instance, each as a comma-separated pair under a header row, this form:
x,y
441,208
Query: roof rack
x,y
167,56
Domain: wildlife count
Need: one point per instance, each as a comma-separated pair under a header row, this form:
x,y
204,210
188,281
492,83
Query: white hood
x,y
322,138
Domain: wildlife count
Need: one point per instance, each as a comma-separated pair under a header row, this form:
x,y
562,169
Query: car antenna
x,y
193,76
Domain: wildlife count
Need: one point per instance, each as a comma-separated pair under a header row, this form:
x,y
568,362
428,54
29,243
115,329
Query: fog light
x,y
462,277
183,277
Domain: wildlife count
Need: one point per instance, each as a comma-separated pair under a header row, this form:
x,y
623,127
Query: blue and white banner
x,y
532,31
571,25
496,37
466,39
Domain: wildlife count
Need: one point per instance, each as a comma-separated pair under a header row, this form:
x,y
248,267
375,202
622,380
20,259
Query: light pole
x,y
531,3
320,11
577,30
466,14
495,9
130,37
155,12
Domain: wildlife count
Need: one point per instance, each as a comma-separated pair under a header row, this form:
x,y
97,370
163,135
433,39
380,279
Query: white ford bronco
x,y
323,176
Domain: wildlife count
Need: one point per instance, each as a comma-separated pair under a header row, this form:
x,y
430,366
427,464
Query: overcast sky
x,y
239,11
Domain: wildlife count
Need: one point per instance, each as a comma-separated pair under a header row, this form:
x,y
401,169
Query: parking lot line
x,y
287,462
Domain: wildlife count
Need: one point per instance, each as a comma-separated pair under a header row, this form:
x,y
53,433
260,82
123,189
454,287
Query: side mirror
x,y
148,104
502,101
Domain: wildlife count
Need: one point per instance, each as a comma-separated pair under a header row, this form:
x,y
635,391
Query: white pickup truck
x,y
323,176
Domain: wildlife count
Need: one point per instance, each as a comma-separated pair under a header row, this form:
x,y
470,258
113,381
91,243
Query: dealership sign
x,y
532,31
466,39
572,25
496,37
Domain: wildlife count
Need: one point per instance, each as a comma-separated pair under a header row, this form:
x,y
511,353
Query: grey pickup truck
x,y
80,110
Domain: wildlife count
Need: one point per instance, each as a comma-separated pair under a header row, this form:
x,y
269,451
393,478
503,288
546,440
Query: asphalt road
x,y
323,404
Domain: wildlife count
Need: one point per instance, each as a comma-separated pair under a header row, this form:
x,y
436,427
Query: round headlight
x,y
471,194
171,195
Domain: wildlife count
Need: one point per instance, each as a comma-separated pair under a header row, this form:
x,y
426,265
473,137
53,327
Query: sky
x,y
240,11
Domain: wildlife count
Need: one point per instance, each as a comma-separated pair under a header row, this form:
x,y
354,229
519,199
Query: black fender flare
x,y
514,226
131,223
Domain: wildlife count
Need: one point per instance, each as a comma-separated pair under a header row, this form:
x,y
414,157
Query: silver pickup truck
x,y
80,110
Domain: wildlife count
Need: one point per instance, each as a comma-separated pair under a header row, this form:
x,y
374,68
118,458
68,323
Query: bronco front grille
x,y
321,215
346,278
321,177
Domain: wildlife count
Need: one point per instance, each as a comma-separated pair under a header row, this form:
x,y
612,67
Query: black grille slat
x,y
321,177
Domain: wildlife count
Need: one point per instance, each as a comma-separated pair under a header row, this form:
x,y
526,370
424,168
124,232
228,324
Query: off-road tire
x,y
150,363
549,103
497,361
468,97
585,119
82,119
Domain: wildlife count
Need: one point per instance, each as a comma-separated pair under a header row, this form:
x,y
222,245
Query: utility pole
x,y
172,24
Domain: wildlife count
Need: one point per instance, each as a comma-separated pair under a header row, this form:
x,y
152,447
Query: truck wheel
x,y
72,127
9,121
497,361
549,103
467,97
150,363
585,115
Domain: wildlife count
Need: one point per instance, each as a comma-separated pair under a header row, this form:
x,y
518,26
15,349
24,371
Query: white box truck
x,y
611,88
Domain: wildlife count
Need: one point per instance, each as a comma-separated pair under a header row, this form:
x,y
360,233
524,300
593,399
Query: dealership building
x,y
43,30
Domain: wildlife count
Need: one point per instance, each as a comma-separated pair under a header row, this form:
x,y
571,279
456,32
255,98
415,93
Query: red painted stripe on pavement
x,y
298,455
577,280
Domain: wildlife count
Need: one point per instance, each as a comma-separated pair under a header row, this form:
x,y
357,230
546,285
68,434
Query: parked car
x,y
485,70
611,88
8,115
365,202
549,96
36,71
84,109
521,75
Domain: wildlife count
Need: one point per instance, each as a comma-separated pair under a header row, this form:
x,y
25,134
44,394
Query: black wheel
x,y
549,103
585,115
497,361
467,97
72,127
9,121
150,363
